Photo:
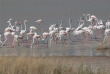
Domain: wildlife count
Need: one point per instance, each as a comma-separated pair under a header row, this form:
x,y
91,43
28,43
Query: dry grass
x,y
102,46
32,65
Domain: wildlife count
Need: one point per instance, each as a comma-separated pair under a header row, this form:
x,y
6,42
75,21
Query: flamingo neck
x,y
88,16
10,23
21,27
25,25
61,24
70,23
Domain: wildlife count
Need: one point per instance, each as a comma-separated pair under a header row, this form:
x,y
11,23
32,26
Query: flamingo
x,y
91,18
99,26
32,28
30,35
60,27
53,35
1,40
52,27
6,34
79,31
88,31
10,22
36,36
9,28
16,39
23,31
61,35
39,23
69,29
107,33
45,35
108,24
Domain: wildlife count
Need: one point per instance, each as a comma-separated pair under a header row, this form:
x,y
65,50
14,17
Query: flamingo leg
x,y
96,33
12,39
47,43
15,44
37,43
86,37
8,41
81,40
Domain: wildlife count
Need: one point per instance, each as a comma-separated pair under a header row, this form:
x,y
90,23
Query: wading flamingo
x,y
36,36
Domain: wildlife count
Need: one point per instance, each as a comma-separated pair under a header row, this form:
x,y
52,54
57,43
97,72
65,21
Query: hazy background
x,y
52,11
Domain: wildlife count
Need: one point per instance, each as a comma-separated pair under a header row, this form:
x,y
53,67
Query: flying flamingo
x,y
39,23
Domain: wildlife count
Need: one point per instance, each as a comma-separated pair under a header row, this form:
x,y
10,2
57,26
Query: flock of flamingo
x,y
57,33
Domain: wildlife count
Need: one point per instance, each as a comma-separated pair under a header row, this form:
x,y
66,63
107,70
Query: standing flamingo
x,y
1,40
107,33
69,30
6,34
23,32
99,26
108,24
91,18
79,31
36,36
30,35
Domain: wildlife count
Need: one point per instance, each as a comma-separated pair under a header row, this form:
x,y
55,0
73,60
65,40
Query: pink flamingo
x,y
36,36
6,34
39,23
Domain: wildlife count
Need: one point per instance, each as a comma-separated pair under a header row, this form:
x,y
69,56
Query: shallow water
x,y
52,12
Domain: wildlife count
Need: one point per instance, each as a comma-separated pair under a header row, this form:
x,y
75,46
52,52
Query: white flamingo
x,y
6,34
51,27
60,27
23,31
99,26
39,23
62,35
9,28
30,35
107,24
107,34
79,31
91,18
36,36
1,40
33,28
69,30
